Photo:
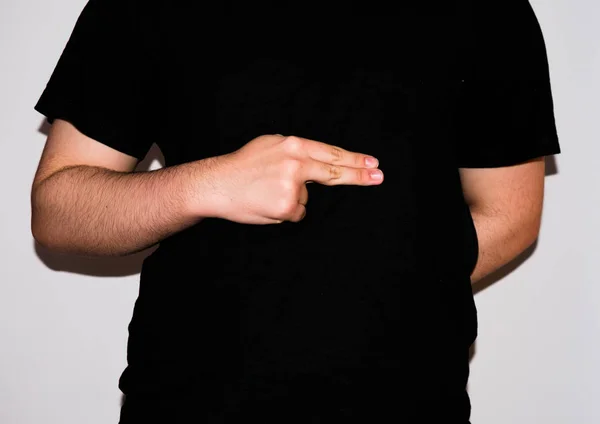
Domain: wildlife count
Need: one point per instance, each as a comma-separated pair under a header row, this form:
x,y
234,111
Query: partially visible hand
x,y
264,182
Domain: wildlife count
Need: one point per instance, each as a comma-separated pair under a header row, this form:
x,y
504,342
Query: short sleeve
x,y
505,114
102,83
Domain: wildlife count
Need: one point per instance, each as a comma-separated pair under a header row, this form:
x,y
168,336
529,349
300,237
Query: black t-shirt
x,y
365,307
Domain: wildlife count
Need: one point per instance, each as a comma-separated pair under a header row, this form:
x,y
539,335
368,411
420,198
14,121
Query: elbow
x,y
39,232
35,225
41,240
45,234
40,225
530,240
39,236
530,231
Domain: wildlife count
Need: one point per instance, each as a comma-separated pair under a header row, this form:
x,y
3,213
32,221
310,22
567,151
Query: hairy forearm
x,y
501,239
95,211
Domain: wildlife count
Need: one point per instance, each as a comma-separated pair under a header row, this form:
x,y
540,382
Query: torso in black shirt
x,y
363,310
366,303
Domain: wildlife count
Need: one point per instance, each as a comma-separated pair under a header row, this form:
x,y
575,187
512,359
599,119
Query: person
x,y
355,306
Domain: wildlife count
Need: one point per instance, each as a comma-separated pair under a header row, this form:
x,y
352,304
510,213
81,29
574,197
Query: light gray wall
x,y
63,320
537,358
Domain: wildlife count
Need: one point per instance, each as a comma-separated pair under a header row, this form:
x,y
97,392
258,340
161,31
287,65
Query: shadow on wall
x,y
551,167
99,266
498,275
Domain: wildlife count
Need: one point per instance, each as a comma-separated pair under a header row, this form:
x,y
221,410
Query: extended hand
x,y
264,182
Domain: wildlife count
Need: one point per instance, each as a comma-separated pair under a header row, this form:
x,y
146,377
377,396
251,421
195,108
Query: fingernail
x,y
376,175
371,161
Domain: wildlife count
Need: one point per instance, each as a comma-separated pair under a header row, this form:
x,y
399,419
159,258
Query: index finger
x,y
335,155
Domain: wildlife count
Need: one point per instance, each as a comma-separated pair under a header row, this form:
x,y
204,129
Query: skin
x,y
506,205
86,198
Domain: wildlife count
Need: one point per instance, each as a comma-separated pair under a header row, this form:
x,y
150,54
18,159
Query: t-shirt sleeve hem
x,y
89,129
552,147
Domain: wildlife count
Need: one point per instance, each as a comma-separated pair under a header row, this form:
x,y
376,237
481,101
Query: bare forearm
x,y
501,239
95,211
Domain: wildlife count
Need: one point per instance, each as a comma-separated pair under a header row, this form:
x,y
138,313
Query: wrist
x,y
205,199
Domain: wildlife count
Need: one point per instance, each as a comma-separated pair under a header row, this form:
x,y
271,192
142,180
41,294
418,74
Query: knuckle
x,y
335,172
300,216
293,145
336,154
285,208
359,161
262,138
362,176
288,188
